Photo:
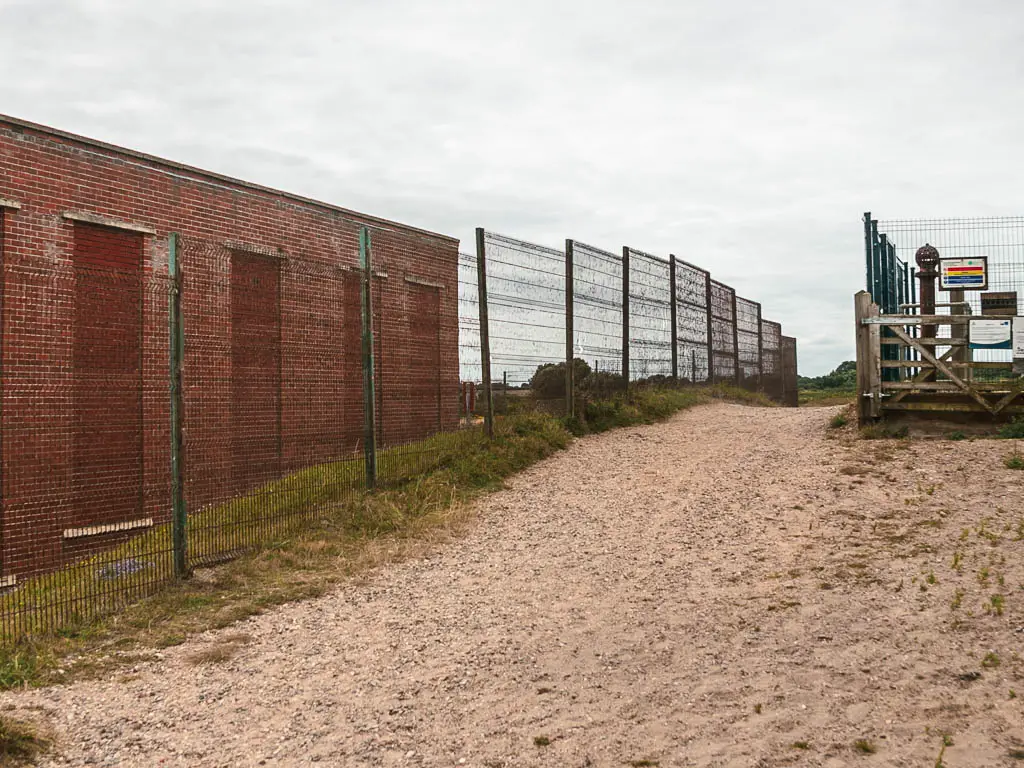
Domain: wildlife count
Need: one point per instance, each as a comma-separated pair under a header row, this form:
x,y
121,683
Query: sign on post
x,y
963,274
990,334
1018,345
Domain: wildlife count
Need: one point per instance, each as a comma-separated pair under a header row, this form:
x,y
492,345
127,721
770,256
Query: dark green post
x,y
672,314
485,335
369,389
625,316
868,254
179,512
570,377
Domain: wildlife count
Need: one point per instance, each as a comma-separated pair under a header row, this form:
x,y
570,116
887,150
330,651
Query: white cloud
x,y
746,137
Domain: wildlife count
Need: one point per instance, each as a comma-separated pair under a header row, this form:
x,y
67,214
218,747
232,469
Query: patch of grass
x,y
996,604
958,598
800,745
991,660
838,421
957,435
20,743
541,741
864,746
1014,461
643,763
223,650
826,397
882,431
317,527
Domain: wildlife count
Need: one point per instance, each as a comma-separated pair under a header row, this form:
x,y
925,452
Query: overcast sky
x,y
747,137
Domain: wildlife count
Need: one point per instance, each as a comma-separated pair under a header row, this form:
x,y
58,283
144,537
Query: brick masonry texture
x,y
272,376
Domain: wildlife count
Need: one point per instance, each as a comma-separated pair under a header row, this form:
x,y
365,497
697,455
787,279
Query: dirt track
x,y
709,591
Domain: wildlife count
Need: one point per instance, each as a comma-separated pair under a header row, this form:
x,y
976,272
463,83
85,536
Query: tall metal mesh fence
x,y
693,286
261,423
650,317
723,332
526,309
771,361
1000,239
748,338
597,308
85,503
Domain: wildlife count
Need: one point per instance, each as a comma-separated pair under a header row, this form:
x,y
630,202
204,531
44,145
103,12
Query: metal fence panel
x,y
723,332
748,335
650,316
692,338
597,308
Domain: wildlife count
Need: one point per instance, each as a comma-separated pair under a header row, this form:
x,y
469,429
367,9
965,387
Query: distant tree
x,y
843,377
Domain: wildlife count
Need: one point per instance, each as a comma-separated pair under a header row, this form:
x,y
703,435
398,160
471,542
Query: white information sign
x,y
990,334
1018,338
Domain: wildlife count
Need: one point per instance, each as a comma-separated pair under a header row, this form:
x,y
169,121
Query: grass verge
x,y
323,529
20,742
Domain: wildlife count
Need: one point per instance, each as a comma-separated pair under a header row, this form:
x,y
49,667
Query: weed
x,y
983,575
931,578
1014,461
838,421
643,763
991,660
20,743
957,435
1013,694
995,605
542,691
958,598
942,753
865,746
541,741
757,709
947,740
223,651
800,745
958,557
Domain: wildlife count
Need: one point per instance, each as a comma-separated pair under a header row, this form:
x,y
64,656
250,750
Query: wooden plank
x,y
998,387
943,368
938,342
921,364
925,405
928,319
926,374
1010,397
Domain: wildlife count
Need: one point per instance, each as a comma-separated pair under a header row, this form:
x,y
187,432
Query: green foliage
x,y
957,435
548,381
843,377
838,421
20,743
1014,461
1012,431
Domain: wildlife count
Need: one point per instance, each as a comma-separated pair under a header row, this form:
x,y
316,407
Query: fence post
x,y
736,340
625,315
570,376
868,254
369,389
179,512
672,315
711,328
485,336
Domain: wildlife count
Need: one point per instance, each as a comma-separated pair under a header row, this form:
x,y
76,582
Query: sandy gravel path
x,y
723,589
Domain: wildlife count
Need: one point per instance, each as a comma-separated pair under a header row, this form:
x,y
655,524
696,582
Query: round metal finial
x,y
927,257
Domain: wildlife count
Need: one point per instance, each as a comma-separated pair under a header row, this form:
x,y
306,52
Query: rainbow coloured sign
x,y
963,274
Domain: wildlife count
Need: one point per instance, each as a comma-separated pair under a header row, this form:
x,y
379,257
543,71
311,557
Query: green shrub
x,y
957,435
548,381
1013,431
838,421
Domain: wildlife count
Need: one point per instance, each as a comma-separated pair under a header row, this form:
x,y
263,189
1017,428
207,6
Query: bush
x,y
838,421
957,435
548,382
1013,431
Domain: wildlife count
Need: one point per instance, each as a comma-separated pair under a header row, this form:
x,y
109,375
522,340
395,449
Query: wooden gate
x,y
933,370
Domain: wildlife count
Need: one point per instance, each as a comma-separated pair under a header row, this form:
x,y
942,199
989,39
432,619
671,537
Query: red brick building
x,y
272,376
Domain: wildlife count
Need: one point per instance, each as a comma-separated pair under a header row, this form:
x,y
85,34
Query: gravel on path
x,y
736,586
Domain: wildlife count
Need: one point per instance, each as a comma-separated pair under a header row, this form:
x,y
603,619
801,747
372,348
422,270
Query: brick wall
x,y
272,374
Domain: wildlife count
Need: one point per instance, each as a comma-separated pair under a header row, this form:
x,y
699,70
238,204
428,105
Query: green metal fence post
x,y
179,511
369,388
570,377
672,316
485,336
625,315
869,256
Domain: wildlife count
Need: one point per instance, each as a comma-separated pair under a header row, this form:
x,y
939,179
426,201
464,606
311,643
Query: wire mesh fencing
x,y
892,276
294,383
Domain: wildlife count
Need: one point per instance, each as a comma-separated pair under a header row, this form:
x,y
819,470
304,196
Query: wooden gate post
x,y
869,351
